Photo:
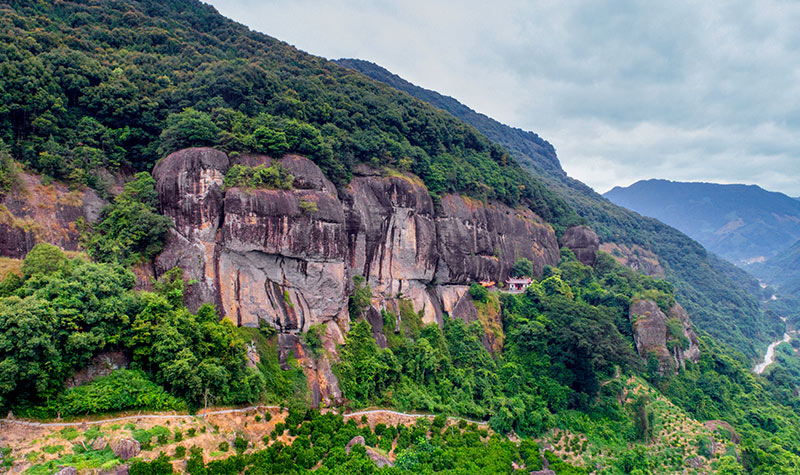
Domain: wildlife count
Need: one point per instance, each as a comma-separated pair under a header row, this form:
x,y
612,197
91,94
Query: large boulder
x,y
669,336
357,440
126,448
583,242
635,257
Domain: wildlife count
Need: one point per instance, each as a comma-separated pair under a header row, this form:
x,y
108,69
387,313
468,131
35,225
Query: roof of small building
x,y
519,280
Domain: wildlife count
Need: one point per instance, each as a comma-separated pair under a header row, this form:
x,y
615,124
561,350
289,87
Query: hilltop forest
x,y
95,96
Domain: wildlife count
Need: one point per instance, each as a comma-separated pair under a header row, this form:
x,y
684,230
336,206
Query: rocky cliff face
x,y
36,212
286,257
635,257
583,242
669,336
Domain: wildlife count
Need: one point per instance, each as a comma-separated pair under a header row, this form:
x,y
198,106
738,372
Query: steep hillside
x,y
782,270
92,88
741,223
314,240
722,299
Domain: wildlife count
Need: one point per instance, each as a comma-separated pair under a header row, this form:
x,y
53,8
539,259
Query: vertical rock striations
x,y
287,257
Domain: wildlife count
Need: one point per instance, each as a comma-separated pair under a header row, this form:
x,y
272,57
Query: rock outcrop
x,y
103,364
669,336
288,257
126,448
36,212
635,257
583,242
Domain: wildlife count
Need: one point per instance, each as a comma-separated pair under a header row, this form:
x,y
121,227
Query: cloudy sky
x,y
690,91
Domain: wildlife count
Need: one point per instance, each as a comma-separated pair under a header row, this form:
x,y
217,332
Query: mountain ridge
x,y
697,273
743,223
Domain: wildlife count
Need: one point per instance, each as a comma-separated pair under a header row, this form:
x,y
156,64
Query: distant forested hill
x,y
722,299
739,222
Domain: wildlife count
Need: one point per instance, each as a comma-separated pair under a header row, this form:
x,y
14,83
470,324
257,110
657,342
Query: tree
x,y
361,297
269,141
478,292
190,128
131,228
45,259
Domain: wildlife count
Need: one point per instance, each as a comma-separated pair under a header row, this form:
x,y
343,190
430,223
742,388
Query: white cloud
x,y
701,91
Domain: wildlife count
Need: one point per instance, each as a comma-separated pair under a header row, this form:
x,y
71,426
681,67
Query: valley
x,y
354,275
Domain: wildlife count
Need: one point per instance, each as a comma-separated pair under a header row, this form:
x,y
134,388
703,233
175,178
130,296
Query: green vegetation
x,y
8,170
94,88
122,390
130,229
64,311
562,337
273,177
360,298
522,268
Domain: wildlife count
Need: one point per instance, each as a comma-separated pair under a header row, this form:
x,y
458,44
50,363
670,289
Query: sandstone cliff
x,y
287,257
669,336
36,212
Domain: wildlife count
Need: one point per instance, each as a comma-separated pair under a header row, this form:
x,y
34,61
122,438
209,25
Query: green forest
x,y
92,89
93,94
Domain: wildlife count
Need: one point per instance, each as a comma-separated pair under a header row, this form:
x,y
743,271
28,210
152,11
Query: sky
x,y
624,90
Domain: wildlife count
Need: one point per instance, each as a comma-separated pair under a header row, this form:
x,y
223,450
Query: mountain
x,y
723,299
782,270
193,214
742,223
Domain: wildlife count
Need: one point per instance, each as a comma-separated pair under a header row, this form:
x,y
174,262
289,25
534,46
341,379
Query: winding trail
x,y
769,357
215,412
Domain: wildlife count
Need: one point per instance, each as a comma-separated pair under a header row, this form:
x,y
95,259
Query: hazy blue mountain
x,y
743,223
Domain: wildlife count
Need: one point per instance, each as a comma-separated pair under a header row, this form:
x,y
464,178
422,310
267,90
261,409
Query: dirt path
x,y
137,416
203,414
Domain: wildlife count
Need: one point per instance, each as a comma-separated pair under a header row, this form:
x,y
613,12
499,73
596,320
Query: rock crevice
x,y
288,257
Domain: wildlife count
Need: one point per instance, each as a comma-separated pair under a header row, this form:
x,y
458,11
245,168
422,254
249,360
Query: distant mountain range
x,y
743,223
722,298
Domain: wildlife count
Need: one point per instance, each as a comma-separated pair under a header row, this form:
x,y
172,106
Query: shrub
x,y
240,444
478,292
180,451
275,176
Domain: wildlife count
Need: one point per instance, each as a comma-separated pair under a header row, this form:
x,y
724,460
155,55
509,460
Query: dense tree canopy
x,y
94,87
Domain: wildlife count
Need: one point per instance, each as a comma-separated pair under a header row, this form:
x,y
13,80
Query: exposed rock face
x,y
126,448
583,242
102,365
189,185
357,440
653,334
635,257
35,212
67,471
287,257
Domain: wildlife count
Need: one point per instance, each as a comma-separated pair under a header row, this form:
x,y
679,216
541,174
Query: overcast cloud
x,y
690,91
